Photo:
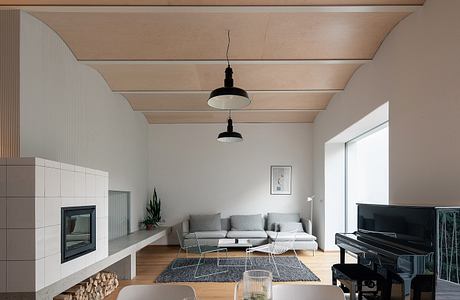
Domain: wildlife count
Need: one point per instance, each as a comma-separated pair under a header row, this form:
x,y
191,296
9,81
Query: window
x,y
366,172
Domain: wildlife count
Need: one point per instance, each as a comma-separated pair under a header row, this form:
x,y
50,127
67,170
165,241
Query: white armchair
x,y
283,243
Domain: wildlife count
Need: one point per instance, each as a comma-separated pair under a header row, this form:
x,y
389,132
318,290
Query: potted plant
x,y
153,208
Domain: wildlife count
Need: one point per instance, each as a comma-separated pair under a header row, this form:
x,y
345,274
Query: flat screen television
x,y
413,226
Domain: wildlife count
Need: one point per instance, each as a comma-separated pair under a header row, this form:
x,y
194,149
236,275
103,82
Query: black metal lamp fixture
x,y
228,96
229,136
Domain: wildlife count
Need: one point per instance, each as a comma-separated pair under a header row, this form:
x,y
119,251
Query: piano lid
x,y
408,226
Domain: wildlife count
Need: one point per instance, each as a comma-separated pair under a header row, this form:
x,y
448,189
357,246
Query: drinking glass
x,y
257,285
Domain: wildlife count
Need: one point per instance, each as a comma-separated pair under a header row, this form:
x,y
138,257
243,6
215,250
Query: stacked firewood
x,y
96,287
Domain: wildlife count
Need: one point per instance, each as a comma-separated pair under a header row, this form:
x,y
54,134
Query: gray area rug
x,y
287,265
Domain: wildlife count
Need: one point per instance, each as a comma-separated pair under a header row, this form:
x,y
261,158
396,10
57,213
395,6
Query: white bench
x,y
121,259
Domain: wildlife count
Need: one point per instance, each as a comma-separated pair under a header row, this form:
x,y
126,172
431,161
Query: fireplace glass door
x,y
78,231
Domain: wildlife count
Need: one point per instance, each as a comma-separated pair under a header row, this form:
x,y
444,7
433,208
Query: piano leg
x,y
406,285
342,255
353,290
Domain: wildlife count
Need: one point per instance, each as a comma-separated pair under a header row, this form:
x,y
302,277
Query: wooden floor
x,y
152,260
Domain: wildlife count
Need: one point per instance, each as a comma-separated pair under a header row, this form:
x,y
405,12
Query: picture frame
x,y
281,180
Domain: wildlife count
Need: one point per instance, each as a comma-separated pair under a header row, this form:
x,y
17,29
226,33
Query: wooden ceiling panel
x,y
166,55
211,2
198,101
177,77
201,35
237,116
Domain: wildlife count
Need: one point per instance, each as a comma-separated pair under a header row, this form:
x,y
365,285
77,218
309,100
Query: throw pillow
x,y
205,223
247,222
291,227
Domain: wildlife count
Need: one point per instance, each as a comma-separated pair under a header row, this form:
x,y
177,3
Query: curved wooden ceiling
x,y
210,2
165,56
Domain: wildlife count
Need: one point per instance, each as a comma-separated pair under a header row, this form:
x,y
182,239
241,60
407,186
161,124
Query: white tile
x,y
21,181
52,269
52,164
67,183
67,167
2,244
80,169
52,211
102,207
39,181
20,244
21,276
72,266
100,185
80,184
25,161
39,274
2,181
87,260
69,202
39,212
39,161
39,243
91,171
102,228
21,212
102,249
90,185
92,201
77,264
2,212
101,173
52,182
2,276
52,240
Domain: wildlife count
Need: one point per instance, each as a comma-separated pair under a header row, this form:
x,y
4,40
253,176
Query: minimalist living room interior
x,y
196,149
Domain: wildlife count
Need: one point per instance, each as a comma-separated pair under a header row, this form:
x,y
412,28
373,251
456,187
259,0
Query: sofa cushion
x,y
273,218
205,223
284,236
207,234
240,234
247,222
290,227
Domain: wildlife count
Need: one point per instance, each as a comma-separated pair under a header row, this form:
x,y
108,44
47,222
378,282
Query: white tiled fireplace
x,y
32,193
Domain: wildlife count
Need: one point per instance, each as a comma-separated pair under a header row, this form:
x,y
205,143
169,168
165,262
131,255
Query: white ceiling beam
x,y
207,92
224,62
224,9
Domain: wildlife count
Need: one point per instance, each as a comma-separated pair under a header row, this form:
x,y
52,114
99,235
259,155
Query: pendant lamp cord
x,y
229,113
228,47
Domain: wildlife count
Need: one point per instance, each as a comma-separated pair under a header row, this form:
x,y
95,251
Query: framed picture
x,y
281,180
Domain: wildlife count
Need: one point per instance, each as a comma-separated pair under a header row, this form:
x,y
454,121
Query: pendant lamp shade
x,y
229,136
228,96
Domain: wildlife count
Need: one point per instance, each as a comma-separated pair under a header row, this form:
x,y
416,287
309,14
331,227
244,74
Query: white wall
x,y
194,173
416,69
69,114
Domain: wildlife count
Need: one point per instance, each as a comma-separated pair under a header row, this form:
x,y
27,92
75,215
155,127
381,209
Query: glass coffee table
x,y
234,243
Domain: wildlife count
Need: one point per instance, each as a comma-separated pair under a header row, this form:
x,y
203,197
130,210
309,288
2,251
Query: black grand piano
x,y
401,243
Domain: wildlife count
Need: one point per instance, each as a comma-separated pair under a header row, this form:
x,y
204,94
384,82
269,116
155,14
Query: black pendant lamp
x,y
229,136
228,96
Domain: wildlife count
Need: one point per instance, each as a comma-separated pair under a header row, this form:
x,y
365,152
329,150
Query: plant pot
x,y
149,226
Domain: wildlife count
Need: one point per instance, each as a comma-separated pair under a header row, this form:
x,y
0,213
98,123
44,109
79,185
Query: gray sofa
x,y
257,229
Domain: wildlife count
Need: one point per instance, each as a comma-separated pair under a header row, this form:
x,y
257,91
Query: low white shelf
x,y
121,259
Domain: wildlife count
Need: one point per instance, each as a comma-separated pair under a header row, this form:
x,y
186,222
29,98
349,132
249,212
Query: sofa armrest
x,y
185,226
307,225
